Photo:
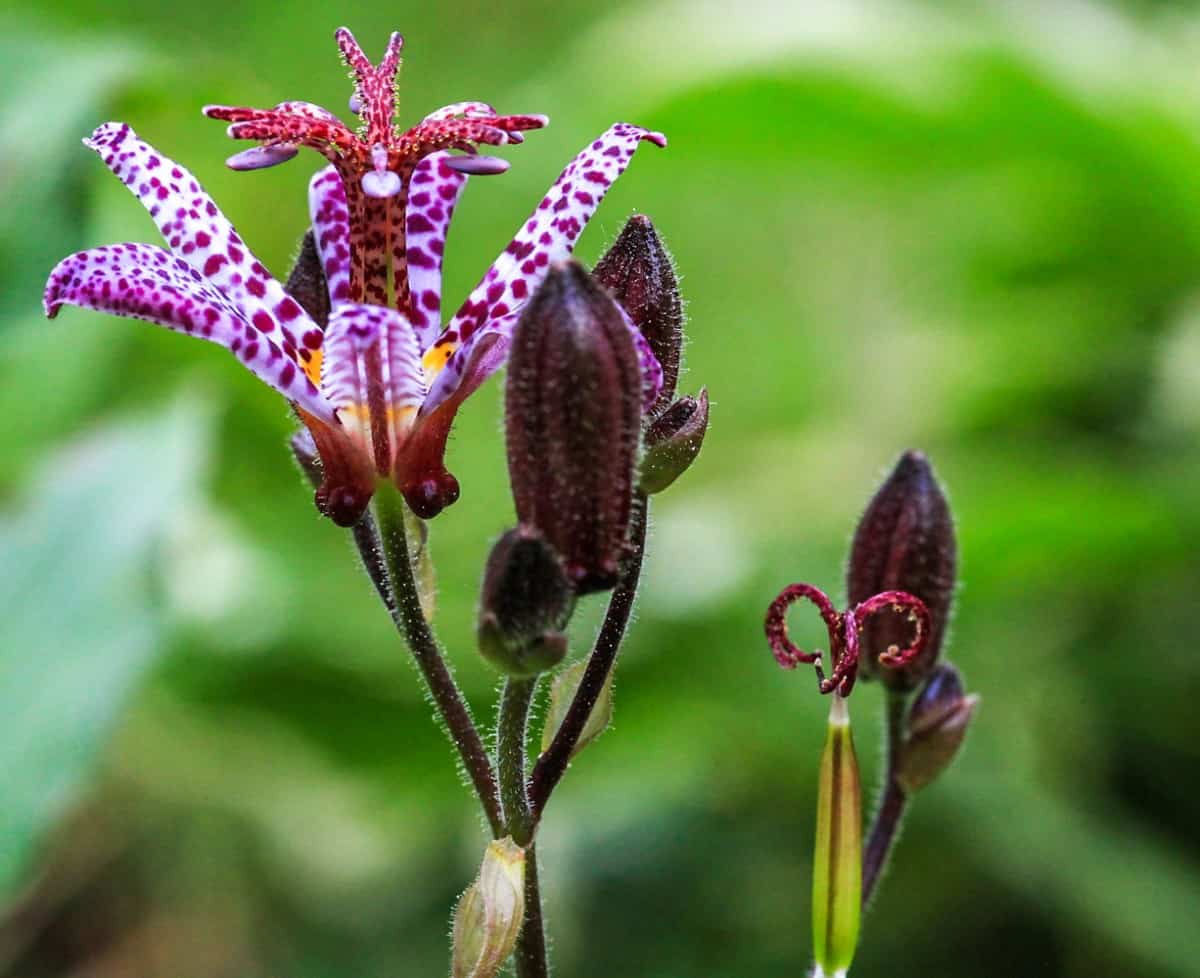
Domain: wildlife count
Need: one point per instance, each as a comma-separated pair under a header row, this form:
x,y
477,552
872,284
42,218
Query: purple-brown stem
x,y
550,767
893,802
410,620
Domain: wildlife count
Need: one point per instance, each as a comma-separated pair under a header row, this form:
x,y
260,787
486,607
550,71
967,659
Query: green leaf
x,y
562,692
80,620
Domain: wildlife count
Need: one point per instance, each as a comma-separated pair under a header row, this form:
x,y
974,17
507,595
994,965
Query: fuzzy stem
x,y
531,959
510,757
893,802
410,620
551,766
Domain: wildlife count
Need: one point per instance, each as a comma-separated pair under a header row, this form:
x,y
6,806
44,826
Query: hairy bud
x,y
936,726
673,441
904,542
525,603
572,419
490,913
639,273
306,282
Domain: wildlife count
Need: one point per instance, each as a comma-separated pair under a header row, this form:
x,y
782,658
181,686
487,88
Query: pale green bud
x,y
490,913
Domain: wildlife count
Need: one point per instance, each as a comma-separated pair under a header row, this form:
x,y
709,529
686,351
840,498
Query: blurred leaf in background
x,y
972,228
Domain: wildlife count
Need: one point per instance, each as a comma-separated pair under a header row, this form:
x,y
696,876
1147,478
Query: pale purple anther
x,y
261,157
356,104
478,166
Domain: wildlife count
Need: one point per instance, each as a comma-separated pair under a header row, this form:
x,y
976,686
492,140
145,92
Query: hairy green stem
x,y
893,802
410,619
510,757
551,766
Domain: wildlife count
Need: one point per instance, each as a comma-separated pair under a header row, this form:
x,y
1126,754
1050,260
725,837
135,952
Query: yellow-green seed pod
x,y
490,913
837,857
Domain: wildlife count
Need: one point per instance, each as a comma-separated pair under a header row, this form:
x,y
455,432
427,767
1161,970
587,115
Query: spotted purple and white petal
x,y
198,233
549,235
371,373
331,230
141,281
433,194
465,370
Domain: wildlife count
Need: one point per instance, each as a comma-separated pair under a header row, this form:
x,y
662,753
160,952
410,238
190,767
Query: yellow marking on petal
x,y
310,363
359,414
436,358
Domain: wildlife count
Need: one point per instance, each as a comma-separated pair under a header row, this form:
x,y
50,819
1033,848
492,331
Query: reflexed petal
x,y
550,233
331,229
141,281
368,346
433,194
197,231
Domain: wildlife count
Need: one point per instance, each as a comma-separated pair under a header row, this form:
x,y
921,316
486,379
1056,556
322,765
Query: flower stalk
x,y
552,763
411,621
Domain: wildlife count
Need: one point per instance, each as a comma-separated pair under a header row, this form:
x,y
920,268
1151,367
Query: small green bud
x,y
562,694
837,856
673,442
525,602
936,726
490,913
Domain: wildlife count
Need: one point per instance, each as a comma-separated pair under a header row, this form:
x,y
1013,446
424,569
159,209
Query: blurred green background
x,y
969,228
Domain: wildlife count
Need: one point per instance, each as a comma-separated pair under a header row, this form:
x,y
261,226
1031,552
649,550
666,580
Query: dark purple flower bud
x,y
672,442
306,282
904,542
573,414
936,725
525,602
638,271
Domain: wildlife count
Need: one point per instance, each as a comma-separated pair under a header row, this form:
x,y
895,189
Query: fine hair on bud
x,y
572,422
306,282
904,542
640,274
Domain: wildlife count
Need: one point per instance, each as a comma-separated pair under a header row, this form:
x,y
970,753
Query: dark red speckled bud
x,y
306,282
904,542
573,415
639,273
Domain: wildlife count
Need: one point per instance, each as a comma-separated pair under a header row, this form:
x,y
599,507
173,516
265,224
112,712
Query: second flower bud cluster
x,y
587,440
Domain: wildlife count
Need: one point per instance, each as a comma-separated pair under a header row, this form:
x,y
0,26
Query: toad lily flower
x,y
378,385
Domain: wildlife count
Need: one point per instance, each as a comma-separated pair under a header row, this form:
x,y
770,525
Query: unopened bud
x,y
837,856
639,273
525,603
490,913
673,441
936,726
573,415
306,282
904,542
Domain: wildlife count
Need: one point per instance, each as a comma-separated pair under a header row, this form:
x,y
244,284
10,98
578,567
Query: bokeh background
x,y
966,227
